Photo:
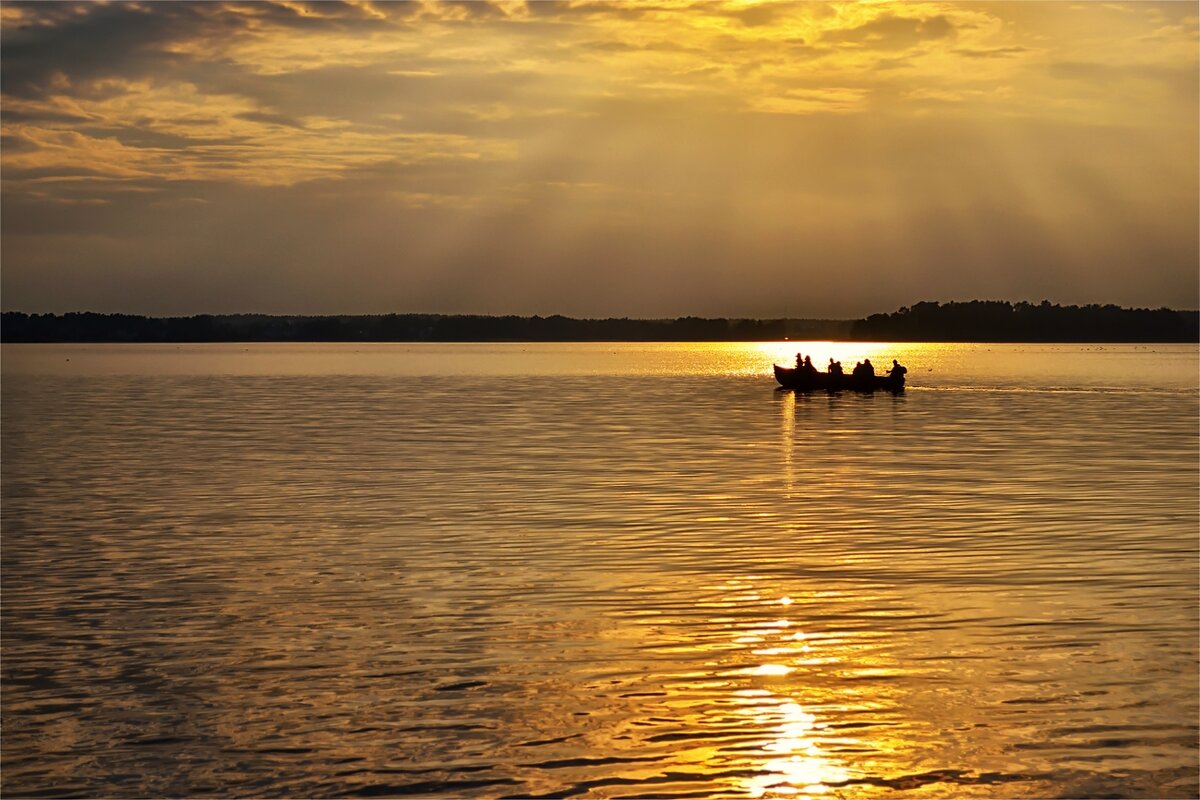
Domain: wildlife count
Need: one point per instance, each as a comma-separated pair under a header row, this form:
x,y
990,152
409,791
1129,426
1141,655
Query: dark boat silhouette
x,y
808,381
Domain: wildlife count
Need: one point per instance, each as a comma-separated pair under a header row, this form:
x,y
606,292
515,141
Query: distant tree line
x,y
1000,321
91,327
981,321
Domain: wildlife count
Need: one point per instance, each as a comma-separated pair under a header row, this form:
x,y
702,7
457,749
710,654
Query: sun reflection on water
x,y
790,760
787,431
771,669
800,765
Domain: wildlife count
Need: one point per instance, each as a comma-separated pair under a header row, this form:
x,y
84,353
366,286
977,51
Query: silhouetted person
x,y
799,360
808,366
897,370
857,371
868,368
835,368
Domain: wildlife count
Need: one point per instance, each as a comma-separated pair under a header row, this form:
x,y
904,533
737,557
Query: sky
x,y
596,159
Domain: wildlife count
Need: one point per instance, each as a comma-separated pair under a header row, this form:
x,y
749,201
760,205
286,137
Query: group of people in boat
x,y
863,369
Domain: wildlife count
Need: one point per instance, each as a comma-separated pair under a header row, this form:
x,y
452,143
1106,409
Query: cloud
x,y
268,118
59,46
580,9
808,101
472,9
588,157
993,52
12,115
758,15
894,32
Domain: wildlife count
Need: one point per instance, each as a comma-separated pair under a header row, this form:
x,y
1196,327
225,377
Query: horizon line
x,y
898,309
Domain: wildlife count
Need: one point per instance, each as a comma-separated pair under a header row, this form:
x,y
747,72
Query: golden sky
x,y
720,158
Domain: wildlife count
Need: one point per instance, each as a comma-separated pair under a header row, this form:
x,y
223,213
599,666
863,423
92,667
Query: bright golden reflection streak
x,y
787,431
792,760
804,767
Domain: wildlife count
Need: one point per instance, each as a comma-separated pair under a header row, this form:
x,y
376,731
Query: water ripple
x,y
612,586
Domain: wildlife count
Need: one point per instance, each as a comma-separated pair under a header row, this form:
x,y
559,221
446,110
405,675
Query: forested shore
x,y
975,321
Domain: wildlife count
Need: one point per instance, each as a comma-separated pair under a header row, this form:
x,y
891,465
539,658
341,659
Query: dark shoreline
x,y
975,321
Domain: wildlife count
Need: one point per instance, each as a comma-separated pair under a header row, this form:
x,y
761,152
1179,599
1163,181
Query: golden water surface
x,y
598,571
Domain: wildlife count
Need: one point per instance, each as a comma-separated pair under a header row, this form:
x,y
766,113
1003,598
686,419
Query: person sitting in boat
x,y
799,360
808,366
857,371
868,369
897,370
835,367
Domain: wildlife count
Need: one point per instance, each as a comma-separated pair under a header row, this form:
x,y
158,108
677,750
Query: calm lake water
x,y
598,570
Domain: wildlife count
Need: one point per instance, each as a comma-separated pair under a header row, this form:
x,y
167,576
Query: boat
x,y
800,380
